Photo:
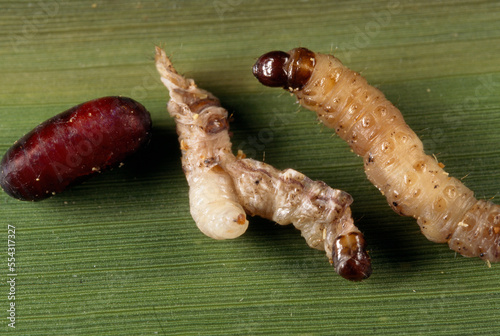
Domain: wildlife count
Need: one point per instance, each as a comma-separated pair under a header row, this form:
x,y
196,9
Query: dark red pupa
x,y
73,145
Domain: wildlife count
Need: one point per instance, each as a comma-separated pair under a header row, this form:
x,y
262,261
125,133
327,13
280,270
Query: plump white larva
x,y
414,183
214,205
223,187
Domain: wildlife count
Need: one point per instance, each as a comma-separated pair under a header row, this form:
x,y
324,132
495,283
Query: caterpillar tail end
x,y
169,76
350,258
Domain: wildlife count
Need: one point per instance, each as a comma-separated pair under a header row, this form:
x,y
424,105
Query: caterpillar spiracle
x,y
224,187
394,160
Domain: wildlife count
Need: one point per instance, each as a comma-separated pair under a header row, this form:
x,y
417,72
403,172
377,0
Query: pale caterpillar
x,y
414,183
223,187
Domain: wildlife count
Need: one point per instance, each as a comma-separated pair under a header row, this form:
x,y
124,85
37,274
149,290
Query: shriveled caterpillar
x,y
414,183
223,187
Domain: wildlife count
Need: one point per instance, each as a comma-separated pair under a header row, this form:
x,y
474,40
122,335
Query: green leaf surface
x,y
120,254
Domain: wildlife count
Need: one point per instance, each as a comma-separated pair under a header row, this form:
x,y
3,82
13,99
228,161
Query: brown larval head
x,y
289,70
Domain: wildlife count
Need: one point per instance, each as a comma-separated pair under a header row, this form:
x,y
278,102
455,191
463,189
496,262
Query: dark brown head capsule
x,y
72,146
289,70
350,258
270,69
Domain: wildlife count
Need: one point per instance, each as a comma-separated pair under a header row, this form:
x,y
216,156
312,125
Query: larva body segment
x,y
214,205
223,187
73,145
202,128
413,182
321,213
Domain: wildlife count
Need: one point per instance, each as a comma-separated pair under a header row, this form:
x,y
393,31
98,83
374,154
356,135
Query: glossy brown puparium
x,y
73,145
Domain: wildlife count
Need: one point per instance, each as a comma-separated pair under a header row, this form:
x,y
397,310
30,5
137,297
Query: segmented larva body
x,y
224,187
321,213
414,183
202,128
